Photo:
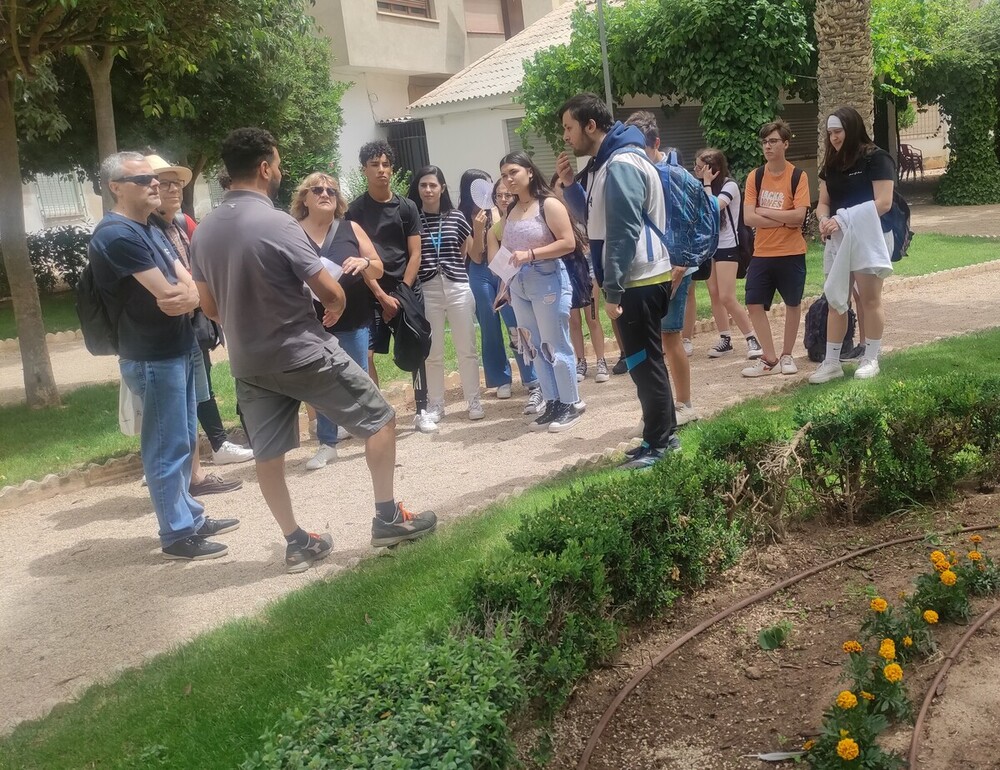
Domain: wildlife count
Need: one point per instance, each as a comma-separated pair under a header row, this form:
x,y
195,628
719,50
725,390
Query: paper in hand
x,y
332,268
502,266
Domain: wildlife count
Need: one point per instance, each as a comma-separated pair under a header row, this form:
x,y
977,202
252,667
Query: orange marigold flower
x,y
907,641
852,646
937,556
847,700
930,616
887,649
848,749
941,566
878,604
975,556
976,539
808,745
867,695
948,577
893,672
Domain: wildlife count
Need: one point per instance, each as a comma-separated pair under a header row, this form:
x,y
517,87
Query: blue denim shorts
x,y
673,321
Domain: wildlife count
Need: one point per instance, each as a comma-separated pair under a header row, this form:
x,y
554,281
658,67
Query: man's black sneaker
x,y
299,557
213,527
566,417
673,443
621,367
647,457
195,548
635,451
546,417
406,526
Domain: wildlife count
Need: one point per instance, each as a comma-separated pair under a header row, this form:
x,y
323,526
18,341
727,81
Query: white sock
x,y
872,349
833,351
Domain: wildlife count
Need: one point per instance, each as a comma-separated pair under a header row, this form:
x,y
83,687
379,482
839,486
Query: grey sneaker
x,y
721,348
754,350
406,526
602,371
299,557
581,369
195,548
536,402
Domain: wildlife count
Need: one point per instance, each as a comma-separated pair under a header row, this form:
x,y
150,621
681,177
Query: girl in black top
x,y
854,171
319,206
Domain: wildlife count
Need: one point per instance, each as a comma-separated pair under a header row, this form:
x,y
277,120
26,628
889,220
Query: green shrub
x,y
404,705
60,252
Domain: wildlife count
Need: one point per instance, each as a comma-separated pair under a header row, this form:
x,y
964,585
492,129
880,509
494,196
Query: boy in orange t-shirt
x,y
777,211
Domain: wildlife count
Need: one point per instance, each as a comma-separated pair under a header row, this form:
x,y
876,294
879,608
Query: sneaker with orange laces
x,y
299,557
406,526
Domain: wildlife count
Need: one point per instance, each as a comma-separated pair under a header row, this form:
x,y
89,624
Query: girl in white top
x,y
712,168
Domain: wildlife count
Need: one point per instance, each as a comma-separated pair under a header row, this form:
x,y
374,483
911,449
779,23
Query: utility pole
x,y
604,57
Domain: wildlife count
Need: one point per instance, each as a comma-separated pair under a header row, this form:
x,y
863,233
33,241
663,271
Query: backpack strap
x,y
758,180
796,178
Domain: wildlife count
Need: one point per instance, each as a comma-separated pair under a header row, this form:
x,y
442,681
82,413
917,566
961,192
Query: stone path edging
x,y
130,466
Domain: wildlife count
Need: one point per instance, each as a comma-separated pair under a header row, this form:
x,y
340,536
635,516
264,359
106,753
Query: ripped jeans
x,y
541,295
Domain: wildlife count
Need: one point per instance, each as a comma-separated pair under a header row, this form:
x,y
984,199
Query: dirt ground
x,y
721,700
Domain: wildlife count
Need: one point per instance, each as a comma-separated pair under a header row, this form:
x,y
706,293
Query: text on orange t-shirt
x,y
776,193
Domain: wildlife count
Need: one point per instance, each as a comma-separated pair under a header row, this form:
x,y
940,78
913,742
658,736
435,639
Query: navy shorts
x,y
786,275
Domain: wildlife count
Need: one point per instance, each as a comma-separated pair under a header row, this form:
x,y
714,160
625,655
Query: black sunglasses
x,y
331,191
141,179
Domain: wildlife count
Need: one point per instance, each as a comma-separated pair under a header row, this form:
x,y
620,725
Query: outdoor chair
x,y
911,160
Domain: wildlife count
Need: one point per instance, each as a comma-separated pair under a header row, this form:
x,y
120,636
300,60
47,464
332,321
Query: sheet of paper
x,y
332,268
501,265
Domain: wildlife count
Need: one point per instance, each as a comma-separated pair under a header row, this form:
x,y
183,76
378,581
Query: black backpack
x,y
100,329
814,339
898,219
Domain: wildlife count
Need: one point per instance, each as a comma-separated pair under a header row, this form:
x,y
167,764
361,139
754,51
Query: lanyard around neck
x,y
435,240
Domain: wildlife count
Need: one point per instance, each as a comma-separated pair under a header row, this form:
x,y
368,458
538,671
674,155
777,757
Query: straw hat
x,y
160,166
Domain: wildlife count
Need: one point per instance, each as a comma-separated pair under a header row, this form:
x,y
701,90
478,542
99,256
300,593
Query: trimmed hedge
x,y
59,252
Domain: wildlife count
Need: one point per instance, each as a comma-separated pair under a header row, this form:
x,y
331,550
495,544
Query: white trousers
x,y
451,300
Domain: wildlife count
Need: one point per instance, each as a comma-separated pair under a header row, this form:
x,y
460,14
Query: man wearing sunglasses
x,y
149,295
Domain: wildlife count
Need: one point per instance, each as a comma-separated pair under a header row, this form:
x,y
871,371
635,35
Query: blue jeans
x,y
541,295
496,362
355,344
169,425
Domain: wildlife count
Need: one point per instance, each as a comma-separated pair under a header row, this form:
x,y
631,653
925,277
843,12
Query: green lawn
x,y
206,704
58,310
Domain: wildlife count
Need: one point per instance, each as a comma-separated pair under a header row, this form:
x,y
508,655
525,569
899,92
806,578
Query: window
x,y
421,8
409,141
60,197
484,16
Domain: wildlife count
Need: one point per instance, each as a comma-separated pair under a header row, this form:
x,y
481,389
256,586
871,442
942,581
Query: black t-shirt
x,y
854,185
358,308
117,252
388,225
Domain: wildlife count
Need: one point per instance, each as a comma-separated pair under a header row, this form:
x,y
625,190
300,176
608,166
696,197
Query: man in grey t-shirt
x,y
252,265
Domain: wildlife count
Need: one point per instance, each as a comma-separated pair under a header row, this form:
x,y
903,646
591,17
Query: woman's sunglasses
x,y
331,191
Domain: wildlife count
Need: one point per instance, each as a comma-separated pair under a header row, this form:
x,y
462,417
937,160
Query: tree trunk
x,y
187,205
39,384
98,69
846,70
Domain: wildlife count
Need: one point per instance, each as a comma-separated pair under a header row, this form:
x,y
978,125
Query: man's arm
x,y
624,198
413,263
208,304
330,294
781,217
174,299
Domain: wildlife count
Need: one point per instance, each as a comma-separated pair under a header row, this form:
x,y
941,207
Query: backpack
x,y
898,219
814,339
100,330
807,222
744,240
691,234
578,268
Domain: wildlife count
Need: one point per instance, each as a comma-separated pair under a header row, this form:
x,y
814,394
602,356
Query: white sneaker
x,y
787,365
536,402
343,434
503,392
476,411
435,412
230,453
761,368
688,346
867,369
828,370
424,422
323,455
685,414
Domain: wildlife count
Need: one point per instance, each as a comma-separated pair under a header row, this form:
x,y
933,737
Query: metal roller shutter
x,y
678,129
539,150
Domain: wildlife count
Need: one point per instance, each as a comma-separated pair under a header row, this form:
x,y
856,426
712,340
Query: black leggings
x,y
208,411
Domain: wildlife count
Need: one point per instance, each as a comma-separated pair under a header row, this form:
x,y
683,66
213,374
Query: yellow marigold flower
x,y
867,695
937,556
941,566
952,555
878,604
847,700
852,646
976,539
907,641
887,649
975,556
808,745
930,616
893,672
948,577
848,749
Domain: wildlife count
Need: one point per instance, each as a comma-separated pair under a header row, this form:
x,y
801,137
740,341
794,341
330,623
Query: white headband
x,y
833,122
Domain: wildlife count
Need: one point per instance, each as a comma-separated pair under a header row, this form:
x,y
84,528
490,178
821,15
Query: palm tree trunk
x,y
39,383
846,70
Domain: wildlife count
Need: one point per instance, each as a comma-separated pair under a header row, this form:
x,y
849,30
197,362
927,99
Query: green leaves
x,y
775,636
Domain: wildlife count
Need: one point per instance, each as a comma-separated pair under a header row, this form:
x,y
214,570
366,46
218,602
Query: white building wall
x,y
471,139
371,99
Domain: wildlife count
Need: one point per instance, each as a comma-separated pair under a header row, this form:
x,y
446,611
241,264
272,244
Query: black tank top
x,y
359,309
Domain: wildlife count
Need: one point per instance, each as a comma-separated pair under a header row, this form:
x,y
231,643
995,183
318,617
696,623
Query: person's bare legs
x,y
870,304
724,274
618,337
690,314
372,371
271,478
859,311
719,311
836,326
380,454
576,334
792,317
594,325
678,365
762,329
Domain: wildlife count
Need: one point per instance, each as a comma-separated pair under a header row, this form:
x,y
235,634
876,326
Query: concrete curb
x,y
10,345
400,394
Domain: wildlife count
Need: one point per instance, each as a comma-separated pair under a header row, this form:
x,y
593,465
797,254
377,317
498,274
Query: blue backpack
x,y
691,234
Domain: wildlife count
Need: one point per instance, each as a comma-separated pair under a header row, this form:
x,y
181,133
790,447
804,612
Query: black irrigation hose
x,y
605,719
950,658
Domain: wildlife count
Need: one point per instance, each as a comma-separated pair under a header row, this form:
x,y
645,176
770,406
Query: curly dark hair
x,y
244,149
377,149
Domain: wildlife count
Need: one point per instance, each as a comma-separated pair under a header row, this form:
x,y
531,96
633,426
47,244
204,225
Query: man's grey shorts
x,y
336,386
